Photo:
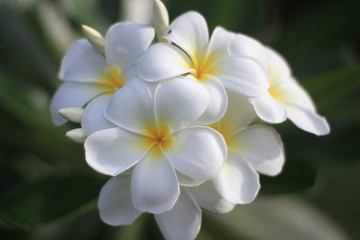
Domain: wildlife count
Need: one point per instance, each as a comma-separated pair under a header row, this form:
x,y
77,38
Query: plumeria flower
x,y
90,78
154,140
191,54
284,98
182,222
251,150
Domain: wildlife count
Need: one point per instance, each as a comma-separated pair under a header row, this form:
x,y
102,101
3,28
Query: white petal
x,y
208,197
219,41
301,110
82,63
239,114
180,101
132,107
183,221
246,46
243,75
189,31
115,203
279,69
218,101
199,152
262,147
93,118
154,185
112,151
163,61
186,181
268,109
237,182
71,95
126,42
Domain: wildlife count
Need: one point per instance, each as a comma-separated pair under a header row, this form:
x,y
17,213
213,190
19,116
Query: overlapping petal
x,y
82,63
208,197
93,118
301,110
199,152
239,114
237,182
112,151
180,101
115,202
279,69
154,185
183,221
218,101
242,75
218,44
262,147
132,107
190,32
163,61
72,94
268,109
126,42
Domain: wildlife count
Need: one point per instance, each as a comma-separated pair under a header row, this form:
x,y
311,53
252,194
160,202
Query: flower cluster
x,y
171,120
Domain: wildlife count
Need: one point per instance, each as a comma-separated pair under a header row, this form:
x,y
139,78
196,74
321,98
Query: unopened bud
x,y
77,135
72,114
160,20
95,38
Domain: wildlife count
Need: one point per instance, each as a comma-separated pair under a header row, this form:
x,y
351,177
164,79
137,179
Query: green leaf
x,y
30,205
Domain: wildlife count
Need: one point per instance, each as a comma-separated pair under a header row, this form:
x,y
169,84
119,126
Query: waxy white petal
x,y
189,31
268,109
126,42
301,110
246,46
237,182
132,107
186,181
183,221
262,147
82,63
163,61
73,114
279,69
219,41
115,203
199,152
160,19
93,118
71,94
242,75
180,101
113,151
95,38
239,114
154,185
218,101
208,197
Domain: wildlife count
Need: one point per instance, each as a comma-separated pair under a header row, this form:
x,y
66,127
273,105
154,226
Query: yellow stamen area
x,y
158,138
203,67
221,128
111,80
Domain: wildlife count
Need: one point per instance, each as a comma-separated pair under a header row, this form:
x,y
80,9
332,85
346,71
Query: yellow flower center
x,y
203,67
222,130
111,80
159,138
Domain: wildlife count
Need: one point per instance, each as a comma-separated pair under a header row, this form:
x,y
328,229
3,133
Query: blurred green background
x,y
48,192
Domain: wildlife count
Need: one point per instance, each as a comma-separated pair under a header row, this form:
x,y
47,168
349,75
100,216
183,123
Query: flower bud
x,y
77,135
72,114
95,38
160,20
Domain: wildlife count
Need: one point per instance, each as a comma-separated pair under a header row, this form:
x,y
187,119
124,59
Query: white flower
x,y
251,150
90,79
182,222
192,54
153,137
284,98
